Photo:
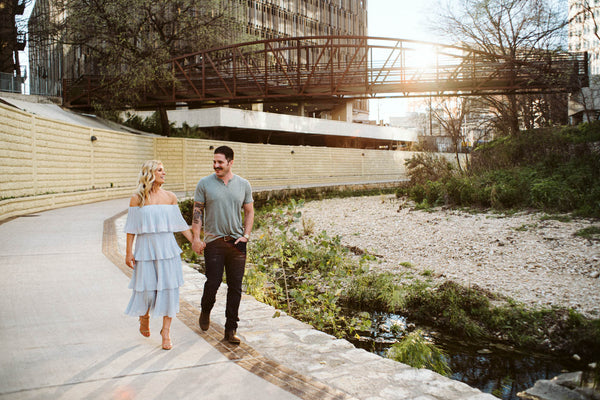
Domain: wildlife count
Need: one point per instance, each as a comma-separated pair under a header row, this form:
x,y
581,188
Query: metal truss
x,y
334,68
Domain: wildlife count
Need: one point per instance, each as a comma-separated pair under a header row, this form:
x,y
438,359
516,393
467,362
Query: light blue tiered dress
x,y
157,275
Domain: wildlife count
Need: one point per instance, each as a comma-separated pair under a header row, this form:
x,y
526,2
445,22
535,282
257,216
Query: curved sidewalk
x,y
65,336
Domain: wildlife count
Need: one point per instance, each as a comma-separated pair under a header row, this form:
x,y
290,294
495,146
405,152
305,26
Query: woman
x,y
156,262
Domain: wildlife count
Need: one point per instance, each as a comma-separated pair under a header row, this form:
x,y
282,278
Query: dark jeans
x,y
220,256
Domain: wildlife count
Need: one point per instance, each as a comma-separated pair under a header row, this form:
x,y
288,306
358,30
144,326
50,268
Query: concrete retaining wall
x,y
47,163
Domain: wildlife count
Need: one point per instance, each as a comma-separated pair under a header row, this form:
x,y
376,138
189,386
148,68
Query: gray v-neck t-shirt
x,y
223,205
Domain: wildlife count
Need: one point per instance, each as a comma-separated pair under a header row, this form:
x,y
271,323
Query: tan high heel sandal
x,y
145,325
166,343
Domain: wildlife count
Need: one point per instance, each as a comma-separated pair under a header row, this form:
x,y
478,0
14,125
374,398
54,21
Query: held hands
x,y
198,246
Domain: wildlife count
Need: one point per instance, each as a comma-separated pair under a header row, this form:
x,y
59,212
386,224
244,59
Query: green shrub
x,y
424,167
418,352
591,232
186,207
376,292
552,195
556,170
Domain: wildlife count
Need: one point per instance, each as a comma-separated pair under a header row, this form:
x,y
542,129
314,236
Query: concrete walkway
x,y
64,334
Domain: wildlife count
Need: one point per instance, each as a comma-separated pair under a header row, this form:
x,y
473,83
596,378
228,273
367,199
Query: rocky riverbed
x,y
526,256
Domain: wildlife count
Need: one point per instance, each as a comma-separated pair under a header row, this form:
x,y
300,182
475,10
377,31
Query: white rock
x,y
460,246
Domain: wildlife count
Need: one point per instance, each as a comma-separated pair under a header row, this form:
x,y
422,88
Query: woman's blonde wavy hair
x,y
146,180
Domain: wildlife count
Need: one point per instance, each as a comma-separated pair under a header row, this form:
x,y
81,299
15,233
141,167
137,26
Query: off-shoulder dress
x,y
157,275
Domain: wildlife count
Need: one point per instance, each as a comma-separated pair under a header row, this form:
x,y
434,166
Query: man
x,y
219,199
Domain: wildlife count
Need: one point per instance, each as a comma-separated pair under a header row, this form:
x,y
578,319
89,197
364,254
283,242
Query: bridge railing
x,y
353,67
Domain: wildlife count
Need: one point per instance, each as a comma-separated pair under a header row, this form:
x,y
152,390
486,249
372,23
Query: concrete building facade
x,y
584,17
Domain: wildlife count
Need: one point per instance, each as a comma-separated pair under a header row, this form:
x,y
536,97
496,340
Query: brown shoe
x,y
231,337
204,320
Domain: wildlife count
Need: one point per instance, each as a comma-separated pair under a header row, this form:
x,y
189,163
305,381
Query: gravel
x,y
537,261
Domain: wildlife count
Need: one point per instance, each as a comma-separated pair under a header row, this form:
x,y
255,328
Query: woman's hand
x,y
130,261
198,246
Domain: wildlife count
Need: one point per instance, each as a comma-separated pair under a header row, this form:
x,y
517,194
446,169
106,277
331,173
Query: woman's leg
x,y
165,332
145,324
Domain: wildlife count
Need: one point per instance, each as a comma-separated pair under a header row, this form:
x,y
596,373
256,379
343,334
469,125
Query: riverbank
x,y
525,256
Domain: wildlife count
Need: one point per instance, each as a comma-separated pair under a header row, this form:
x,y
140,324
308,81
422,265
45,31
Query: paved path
x,y
64,334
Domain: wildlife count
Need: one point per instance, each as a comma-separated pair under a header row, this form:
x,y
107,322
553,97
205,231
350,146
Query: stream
x,y
494,369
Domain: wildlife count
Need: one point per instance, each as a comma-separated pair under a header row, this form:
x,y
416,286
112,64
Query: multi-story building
x,y
46,58
263,19
12,40
584,36
269,19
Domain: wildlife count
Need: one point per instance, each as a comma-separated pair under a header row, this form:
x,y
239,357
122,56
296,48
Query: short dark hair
x,y
226,151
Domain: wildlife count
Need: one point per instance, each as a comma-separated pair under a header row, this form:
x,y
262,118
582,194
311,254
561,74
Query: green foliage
x,y
468,312
188,254
376,292
560,218
313,277
556,170
150,124
453,307
418,352
591,232
305,272
424,167
129,42
269,201
257,285
187,207
153,124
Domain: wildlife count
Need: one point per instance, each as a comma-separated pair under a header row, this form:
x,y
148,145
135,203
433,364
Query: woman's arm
x,y
129,260
188,235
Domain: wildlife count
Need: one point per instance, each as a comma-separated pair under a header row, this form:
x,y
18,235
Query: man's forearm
x,y
197,215
248,220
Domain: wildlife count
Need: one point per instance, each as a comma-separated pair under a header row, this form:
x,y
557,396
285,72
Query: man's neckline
x,y
222,181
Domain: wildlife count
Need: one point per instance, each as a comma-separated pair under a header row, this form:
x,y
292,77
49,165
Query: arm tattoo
x,y
198,212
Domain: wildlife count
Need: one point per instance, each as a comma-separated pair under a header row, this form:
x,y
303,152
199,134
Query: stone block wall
x,y
48,163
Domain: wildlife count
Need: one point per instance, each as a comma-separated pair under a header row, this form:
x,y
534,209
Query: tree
x,y
450,114
129,42
522,32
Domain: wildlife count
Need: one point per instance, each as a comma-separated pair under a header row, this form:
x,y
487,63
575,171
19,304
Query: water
x,y
492,368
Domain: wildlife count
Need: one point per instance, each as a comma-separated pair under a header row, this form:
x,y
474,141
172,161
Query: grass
x,y
418,352
474,314
590,233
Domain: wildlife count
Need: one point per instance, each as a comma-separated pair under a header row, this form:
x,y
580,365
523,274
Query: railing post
x,y
266,70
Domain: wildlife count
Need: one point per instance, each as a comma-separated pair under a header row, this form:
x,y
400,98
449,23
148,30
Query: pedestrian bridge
x,y
328,70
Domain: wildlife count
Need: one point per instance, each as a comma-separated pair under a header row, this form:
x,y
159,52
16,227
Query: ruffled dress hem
x,y
157,275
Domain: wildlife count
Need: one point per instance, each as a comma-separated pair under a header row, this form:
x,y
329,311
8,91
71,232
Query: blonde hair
x,y
146,180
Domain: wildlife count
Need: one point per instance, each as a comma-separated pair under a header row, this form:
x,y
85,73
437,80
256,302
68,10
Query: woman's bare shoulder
x,y
172,197
134,201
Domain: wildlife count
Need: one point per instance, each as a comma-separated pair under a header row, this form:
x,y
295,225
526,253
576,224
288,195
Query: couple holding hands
x,y
152,219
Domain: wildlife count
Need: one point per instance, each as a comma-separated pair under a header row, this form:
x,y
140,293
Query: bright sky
x,y
24,55
402,19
